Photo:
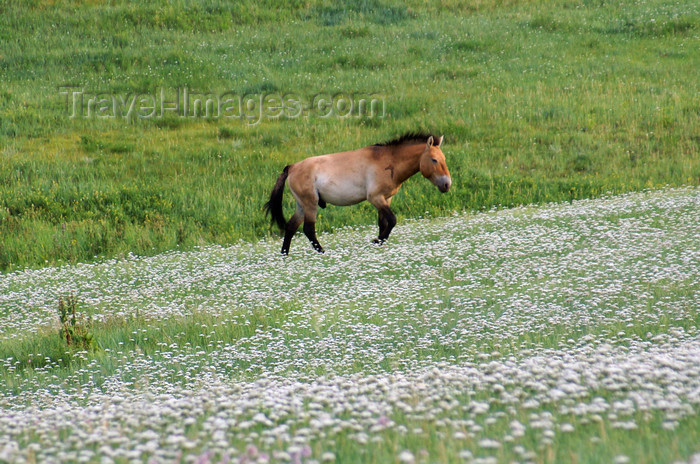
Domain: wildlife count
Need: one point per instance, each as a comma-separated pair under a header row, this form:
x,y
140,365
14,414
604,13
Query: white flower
x,y
406,457
466,455
566,427
489,443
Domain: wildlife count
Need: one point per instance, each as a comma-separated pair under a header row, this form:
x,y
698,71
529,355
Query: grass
x,y
585,99
119,340
540,101
46,349
457,330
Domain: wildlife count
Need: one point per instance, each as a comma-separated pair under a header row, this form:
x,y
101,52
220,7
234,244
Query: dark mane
x,y
408,137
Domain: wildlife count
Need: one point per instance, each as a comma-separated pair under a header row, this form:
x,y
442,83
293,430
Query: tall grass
x,y
584,99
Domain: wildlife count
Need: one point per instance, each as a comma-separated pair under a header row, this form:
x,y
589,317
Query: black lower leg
x,y
389,223
286,242
310,231
383,223
289,231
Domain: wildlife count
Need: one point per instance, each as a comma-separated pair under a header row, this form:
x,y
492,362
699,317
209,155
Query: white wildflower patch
x,y
407,457
485,332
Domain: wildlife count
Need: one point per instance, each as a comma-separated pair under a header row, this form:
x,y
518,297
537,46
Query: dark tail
x,y
274,206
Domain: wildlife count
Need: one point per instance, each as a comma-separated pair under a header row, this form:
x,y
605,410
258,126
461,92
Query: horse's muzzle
x,y
443,183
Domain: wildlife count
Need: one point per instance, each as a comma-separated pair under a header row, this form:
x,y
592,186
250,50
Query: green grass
x,y
117,340
536,107
528,304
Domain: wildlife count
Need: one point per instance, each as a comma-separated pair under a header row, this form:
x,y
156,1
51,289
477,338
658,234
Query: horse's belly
x,y
341,192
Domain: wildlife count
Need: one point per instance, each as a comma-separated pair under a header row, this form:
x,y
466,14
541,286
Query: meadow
x,y
540,101
545,310
560,333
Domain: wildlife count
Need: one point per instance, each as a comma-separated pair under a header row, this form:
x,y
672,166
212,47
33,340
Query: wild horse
x,y
374,173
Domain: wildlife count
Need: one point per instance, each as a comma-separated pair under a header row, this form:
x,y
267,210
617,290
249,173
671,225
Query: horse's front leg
x,y
387,218
383,223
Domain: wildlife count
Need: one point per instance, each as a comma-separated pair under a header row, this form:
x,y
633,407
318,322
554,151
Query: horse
x,y
373,173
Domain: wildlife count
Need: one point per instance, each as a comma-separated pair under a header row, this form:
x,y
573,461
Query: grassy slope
x,y
610,294
540,101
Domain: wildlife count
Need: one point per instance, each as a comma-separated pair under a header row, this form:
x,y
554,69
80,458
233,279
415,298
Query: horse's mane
x,y
408,137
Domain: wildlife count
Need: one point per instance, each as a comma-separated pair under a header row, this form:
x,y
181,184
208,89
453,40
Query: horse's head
x,y
433,166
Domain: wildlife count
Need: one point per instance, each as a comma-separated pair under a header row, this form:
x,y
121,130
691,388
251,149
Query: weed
x,y
75,327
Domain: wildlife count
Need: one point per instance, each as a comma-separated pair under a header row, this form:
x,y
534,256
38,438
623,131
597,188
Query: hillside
x,y
545,334
539,101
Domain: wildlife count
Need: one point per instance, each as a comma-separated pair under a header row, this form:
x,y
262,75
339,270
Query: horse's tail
x,y
274,206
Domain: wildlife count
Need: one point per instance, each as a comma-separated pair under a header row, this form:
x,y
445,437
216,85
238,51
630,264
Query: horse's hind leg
x,y
291,227
310,228
310,205
307,198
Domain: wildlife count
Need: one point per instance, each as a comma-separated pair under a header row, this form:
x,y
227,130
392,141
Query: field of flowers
x,y
557,333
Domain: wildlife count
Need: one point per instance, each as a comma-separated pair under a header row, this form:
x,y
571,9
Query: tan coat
x,y
373,173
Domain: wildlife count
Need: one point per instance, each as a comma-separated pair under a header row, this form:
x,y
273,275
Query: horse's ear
x,y
430,142
439,140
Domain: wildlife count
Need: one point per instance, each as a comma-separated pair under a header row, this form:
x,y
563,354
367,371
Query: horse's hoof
x,y
377,241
